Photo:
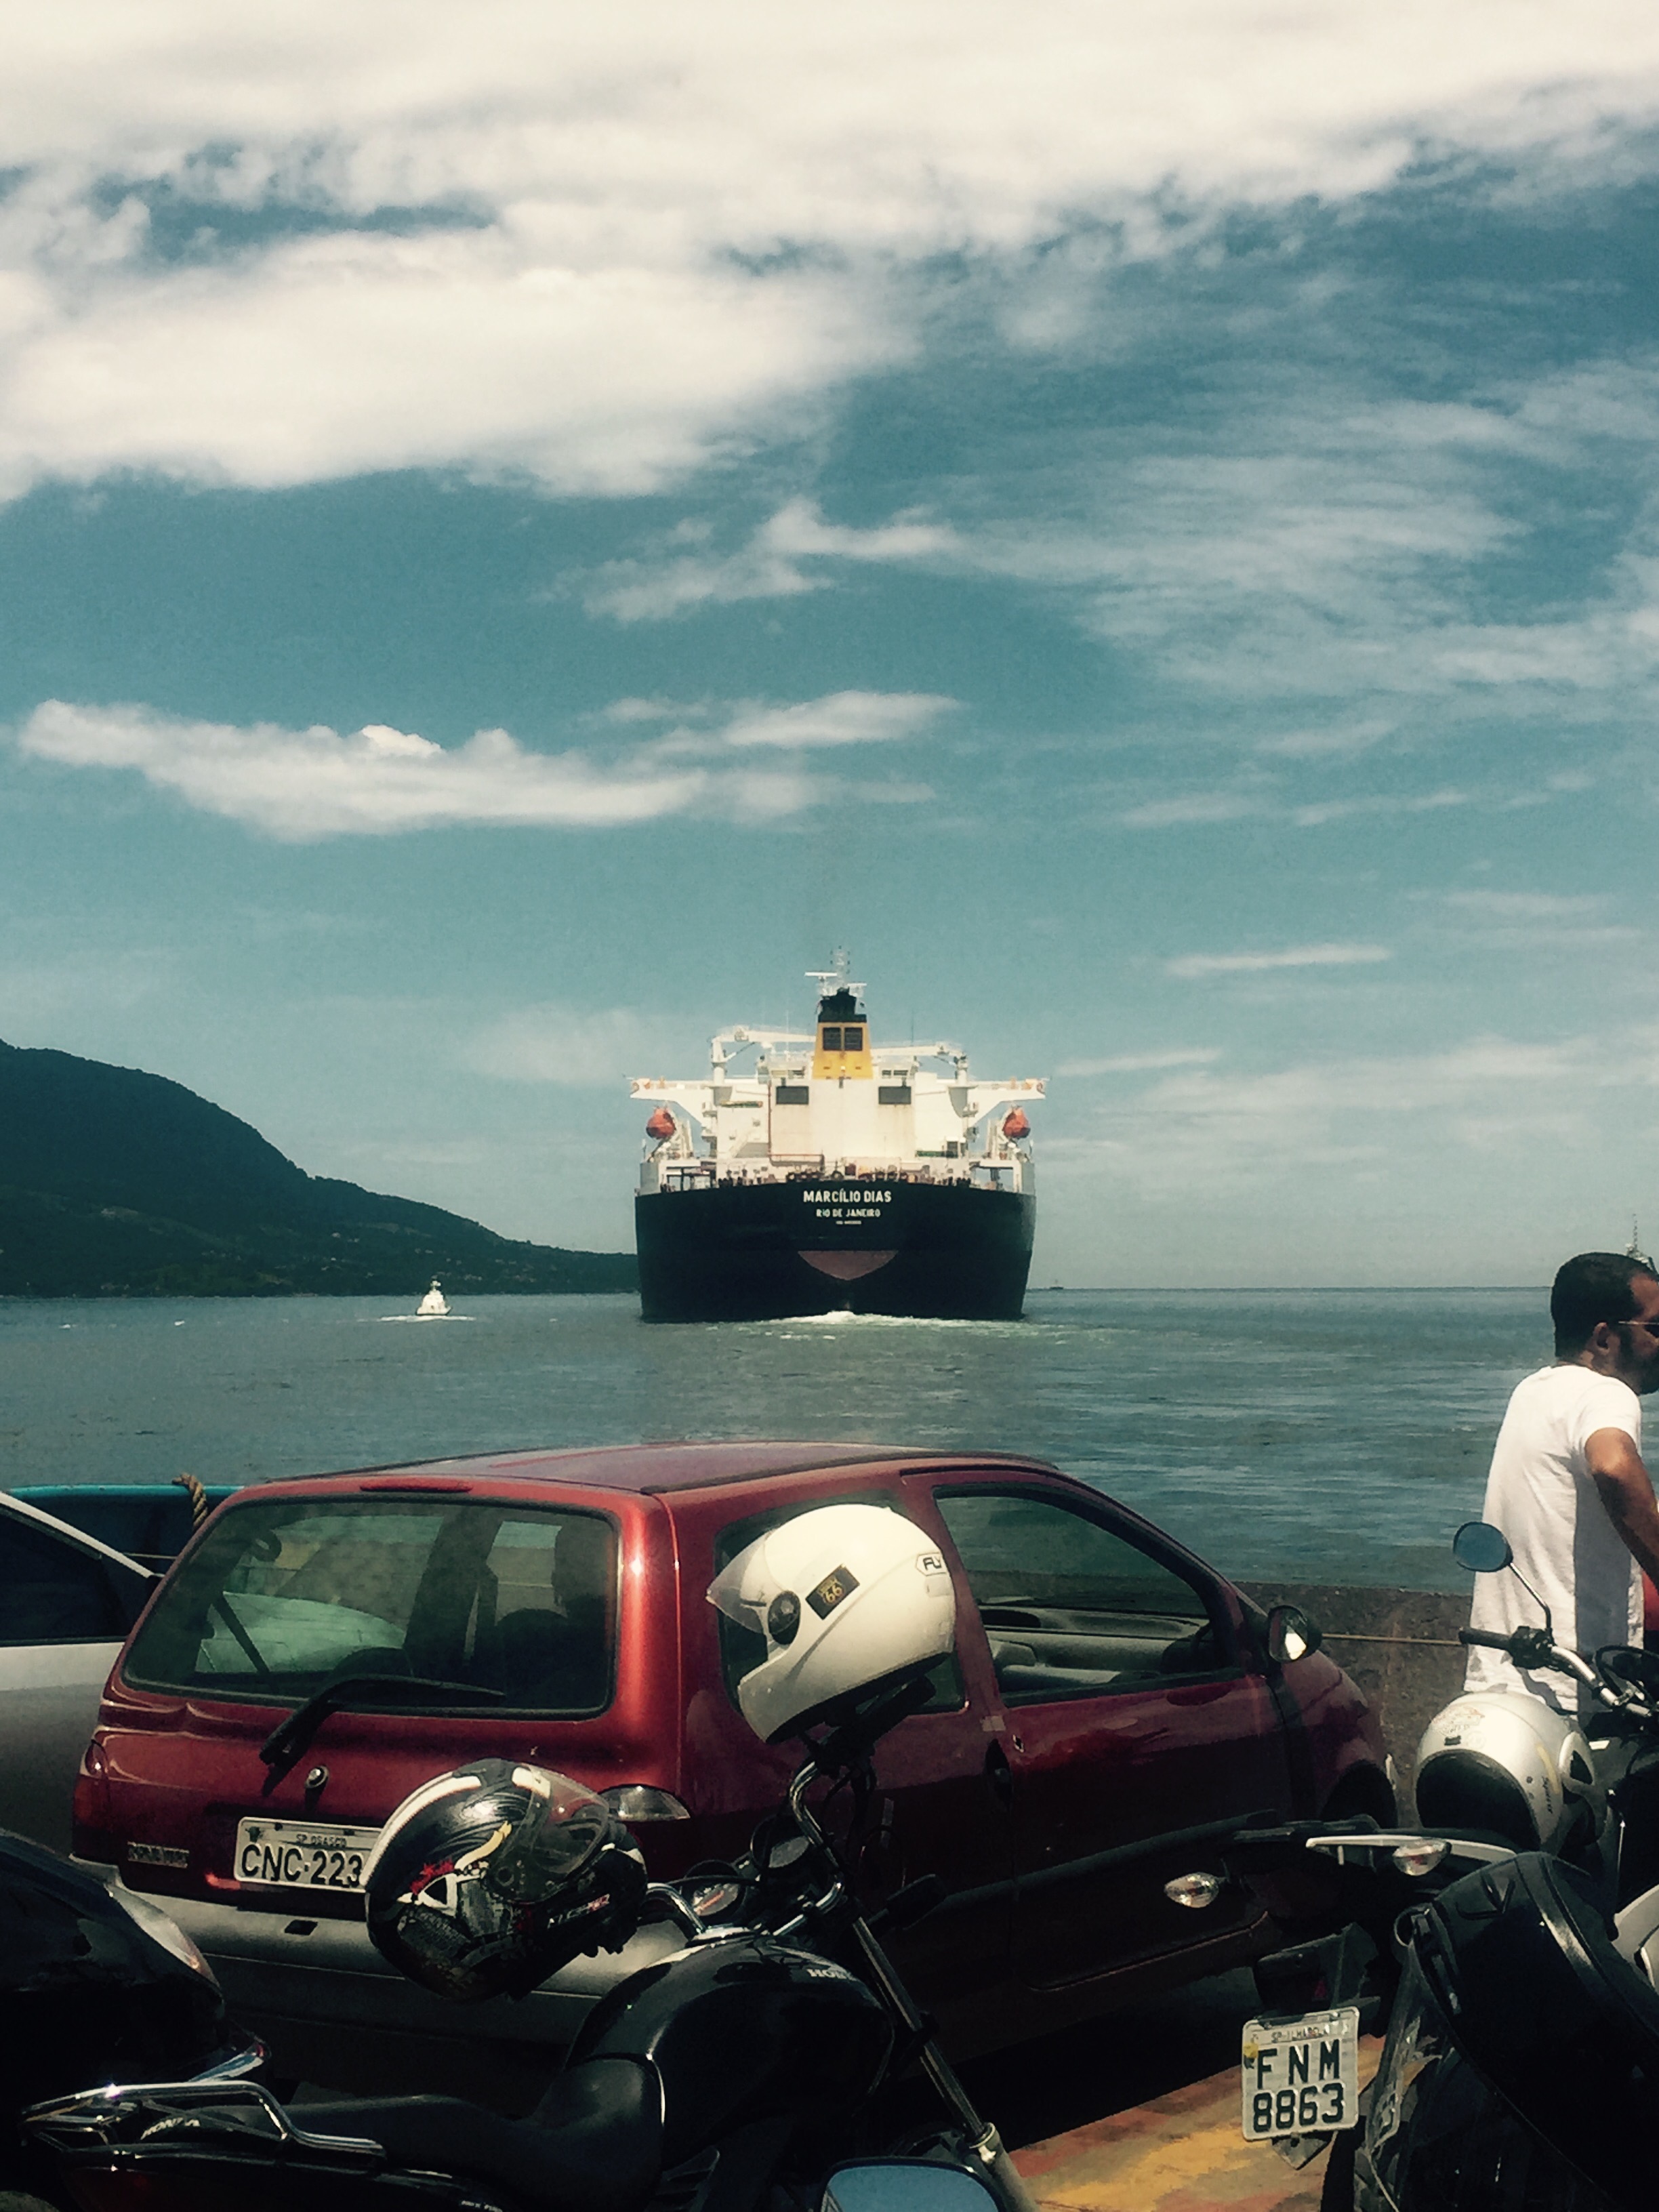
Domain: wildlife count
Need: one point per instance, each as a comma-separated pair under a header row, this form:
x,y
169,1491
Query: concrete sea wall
x,y
1400,1646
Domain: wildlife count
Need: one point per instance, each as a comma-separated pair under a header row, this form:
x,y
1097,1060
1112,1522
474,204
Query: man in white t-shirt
x,y
1567,1484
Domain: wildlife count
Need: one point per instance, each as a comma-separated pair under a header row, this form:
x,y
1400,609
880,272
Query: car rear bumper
x,y
332,2011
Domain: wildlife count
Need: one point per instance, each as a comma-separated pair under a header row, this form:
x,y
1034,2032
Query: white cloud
x,y
1525,905
1191,965
631,239
771,566
1535,921
303,784
1138,1063
559,1044
1194,806
332,356
1362,1116
845,718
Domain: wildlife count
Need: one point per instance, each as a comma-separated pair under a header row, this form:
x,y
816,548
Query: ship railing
x,y
972,1174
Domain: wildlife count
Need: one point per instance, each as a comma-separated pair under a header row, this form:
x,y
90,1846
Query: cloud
x,y
1191,965
1534,921
305,241
1363,1116
1525,905
771,566
554,1044
1138,1063
1193,806
306,784
845,718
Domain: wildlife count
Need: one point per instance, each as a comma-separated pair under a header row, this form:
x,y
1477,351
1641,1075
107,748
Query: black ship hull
x,y
764,1251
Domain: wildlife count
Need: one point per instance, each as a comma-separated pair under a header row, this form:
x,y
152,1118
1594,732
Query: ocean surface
x,y
1317,1435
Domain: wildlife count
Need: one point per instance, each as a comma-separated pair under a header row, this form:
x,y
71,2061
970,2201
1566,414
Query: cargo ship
x,y
838,1175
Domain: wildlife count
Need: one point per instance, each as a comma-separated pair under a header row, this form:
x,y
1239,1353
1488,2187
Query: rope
x,y
1416,1643
198,1498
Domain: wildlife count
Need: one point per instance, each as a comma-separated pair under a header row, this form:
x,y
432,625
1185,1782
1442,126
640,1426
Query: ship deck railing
x,y
975,1174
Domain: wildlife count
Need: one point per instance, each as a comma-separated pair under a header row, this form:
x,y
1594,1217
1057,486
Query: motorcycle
x,y
1585,1788
1338,1890
94,1986
1520,2060
736,2074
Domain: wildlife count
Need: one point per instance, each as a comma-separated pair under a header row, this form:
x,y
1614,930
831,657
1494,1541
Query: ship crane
x,y
722,1048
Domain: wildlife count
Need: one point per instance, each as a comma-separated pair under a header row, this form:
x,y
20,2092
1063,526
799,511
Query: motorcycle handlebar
x,y
1530,1649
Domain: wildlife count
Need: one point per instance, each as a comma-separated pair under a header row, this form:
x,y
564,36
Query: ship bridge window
x,y
792,1094
892,1094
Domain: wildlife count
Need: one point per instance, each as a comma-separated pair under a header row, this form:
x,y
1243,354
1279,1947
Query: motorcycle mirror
x,y
1481,1548
904,2185
1291,1634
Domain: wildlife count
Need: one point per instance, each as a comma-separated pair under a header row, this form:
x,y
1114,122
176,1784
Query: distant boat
x,y
435,1306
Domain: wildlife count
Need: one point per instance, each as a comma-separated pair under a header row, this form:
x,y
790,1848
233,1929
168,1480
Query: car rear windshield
x,y
285,1596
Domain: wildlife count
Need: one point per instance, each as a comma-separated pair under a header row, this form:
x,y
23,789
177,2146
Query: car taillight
x,y
91,1833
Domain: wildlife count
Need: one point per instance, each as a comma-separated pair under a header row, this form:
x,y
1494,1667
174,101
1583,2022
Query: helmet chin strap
x,y
851,1741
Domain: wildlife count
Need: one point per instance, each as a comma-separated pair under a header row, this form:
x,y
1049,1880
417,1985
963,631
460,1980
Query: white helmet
x,y
849,1598
1500,1760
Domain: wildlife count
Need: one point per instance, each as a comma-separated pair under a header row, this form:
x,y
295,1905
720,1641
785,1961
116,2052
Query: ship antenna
x,y
837,976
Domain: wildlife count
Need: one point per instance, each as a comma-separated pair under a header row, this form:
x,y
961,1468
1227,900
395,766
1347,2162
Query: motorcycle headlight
x,y
163,1928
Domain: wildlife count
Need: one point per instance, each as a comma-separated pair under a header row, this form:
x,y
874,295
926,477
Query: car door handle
x,y
999,1775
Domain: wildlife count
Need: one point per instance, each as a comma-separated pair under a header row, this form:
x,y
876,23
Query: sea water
x,y
1319,1436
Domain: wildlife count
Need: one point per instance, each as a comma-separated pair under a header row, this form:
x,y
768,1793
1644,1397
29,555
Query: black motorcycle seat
x,y
593,2143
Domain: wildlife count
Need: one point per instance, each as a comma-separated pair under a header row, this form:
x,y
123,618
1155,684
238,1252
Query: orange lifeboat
x,y
661,1126
1016,1126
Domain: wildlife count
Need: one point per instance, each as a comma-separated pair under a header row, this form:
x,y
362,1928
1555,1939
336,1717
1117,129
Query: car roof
x,y
650,1468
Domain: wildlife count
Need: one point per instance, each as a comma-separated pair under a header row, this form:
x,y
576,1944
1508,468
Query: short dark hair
x,y
1590,1288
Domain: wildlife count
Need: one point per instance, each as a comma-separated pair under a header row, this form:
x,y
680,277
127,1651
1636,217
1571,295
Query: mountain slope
x,y
115,1181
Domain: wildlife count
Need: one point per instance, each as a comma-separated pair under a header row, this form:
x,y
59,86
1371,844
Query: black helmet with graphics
x,y
486,1880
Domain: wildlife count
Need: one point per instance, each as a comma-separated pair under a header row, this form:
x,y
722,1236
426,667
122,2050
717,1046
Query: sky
x,y
521,528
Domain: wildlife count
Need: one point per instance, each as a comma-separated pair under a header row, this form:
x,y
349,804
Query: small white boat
x,y
435,1306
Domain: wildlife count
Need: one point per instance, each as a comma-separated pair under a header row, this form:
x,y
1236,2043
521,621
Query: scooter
x,y
1521,2054
733,2076
1338,1891
92,1989
1582,1789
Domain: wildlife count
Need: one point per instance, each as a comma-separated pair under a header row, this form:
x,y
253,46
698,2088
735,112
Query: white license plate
x,y
302,1854
1301,2073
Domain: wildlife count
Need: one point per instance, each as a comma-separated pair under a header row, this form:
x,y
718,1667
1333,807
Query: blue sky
x,y
520,533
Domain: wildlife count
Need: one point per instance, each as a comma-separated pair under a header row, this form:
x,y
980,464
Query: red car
x,y
325,1645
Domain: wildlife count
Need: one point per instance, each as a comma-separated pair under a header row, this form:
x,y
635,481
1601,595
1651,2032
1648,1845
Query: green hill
x,y
112,1181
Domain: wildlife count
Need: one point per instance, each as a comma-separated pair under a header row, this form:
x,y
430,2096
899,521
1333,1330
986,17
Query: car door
x,y
936,1808
1133,1726
66,1603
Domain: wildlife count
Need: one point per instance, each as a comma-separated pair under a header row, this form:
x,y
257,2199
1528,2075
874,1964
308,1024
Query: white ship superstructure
x,y
832,1103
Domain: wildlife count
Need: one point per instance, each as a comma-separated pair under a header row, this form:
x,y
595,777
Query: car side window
x,y
742,1649
51,1592
1072,1608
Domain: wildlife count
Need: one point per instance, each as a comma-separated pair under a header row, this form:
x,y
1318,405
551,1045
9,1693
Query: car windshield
x,y
283,1596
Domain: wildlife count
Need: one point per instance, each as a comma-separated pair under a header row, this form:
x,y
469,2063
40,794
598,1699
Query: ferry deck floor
x,y
1139,2112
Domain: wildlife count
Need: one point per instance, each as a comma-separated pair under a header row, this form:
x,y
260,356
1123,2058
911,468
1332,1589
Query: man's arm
x,y
1625,1490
